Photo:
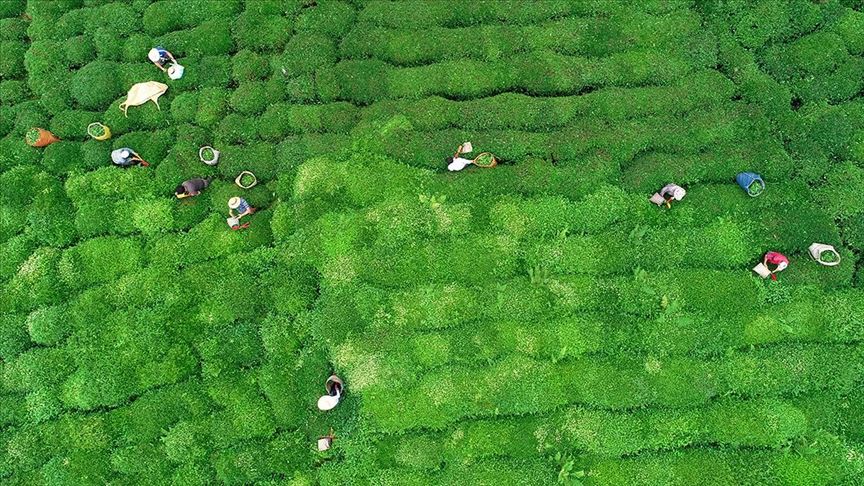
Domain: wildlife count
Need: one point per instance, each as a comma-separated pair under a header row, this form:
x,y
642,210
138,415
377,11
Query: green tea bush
x,y
514,111
90,464
816,54
186,442
211,38
235,128
153,216
419,15
42,404
13,252
572,36
250,98
249,66
151,415
115,17
93,155
50,218
61,157
79,50
25,182
15,340
12,65
12,8
549,216
849,28
72,124
96,85
244,352
12,92
146,462
40,368
99,260
287,119
149,362
48,326
70,23
305,53
166,15
7,122
768,21
770,423
45,62
184,107
36,283
332,18
135,48
212,106
841,85
842,183
259,32
678,382
13,29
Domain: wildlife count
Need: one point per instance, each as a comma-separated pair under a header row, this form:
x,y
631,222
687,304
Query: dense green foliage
x,y
535,323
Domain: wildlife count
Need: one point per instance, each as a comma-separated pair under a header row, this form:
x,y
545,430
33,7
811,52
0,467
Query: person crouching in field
x,y
160,57
237,208
669,193
778,260
191,188
126,157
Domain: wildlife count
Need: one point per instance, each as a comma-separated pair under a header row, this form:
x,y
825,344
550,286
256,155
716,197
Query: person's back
x,y
159,56
673,191
122,157
192,187
126,157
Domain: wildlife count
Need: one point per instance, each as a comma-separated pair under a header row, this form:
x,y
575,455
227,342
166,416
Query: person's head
x,y
153,55
678,193
180,190
782,266
448,160
234,202
125,153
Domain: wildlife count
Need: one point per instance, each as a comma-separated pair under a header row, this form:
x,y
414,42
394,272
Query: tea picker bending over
x,y
775,258
455,163
126,157
160,57
191,188
669,193
239,207
334,387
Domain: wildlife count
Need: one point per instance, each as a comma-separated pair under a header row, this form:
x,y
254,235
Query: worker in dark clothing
x,y
191,188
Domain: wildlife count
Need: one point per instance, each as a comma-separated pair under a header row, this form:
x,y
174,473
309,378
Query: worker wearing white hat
x,y
239,207
673,192
126,157
160,57
333,386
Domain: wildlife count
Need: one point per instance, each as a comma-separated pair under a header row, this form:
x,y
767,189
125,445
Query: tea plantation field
x,y
535,323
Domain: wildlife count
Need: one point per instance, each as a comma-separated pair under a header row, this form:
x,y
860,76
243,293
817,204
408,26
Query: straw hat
x,y
234,202
678,193
153,55
125,153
